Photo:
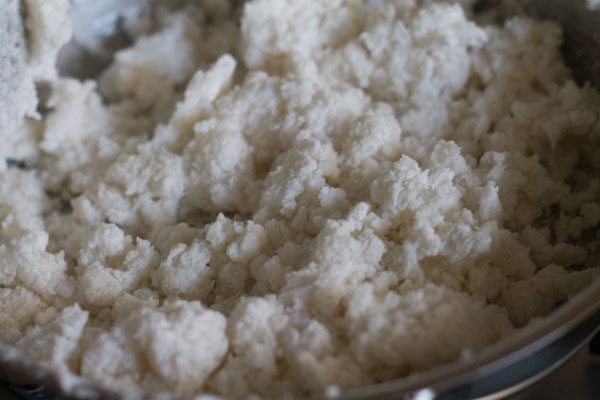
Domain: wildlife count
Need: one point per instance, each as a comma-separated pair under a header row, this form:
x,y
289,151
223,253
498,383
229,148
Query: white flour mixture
x,y
325,194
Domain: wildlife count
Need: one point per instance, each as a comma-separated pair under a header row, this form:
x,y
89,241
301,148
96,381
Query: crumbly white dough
x,y
329,195
31,33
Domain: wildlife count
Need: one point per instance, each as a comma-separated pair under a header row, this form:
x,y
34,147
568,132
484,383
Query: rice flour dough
x,y
292,197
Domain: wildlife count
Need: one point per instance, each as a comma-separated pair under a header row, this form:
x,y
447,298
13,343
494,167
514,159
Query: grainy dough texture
x,y
296,196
